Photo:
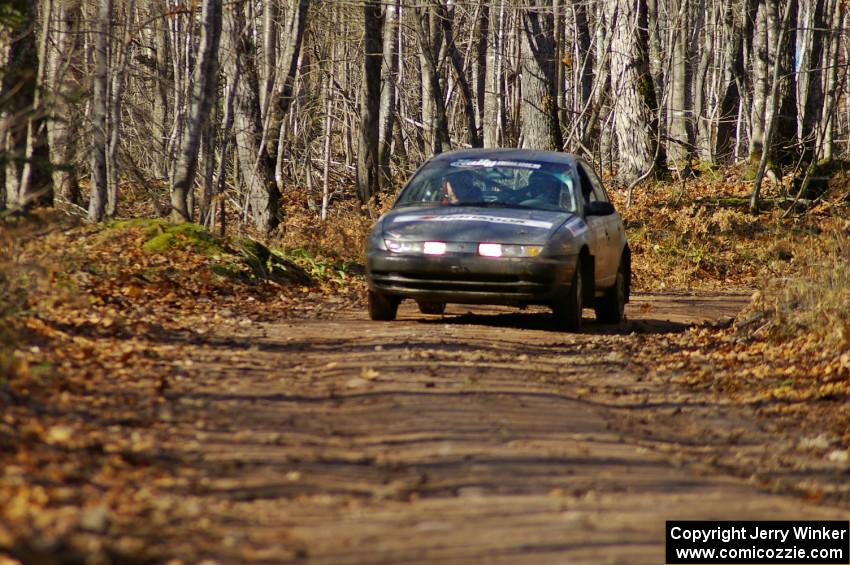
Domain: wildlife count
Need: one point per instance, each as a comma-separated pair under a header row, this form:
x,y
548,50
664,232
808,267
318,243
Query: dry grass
x,y
815,299
341,237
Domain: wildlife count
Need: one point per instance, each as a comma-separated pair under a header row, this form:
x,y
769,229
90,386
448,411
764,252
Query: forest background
x,y
162,161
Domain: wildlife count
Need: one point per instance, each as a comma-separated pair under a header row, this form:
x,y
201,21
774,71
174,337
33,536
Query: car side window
x,y
597,193
594,191
584,182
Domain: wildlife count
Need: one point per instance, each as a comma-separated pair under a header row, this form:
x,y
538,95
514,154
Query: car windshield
x,y
488,182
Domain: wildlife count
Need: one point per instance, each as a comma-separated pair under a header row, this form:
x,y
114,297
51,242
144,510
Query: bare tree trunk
x,y
541,128
36,185
678,108
635,106
255,168
323,215
17,96
656,55
460,75
62,81
202,95
268,69
773,105
811,65
761,78
495,82
100,111
287,70
430,41
831,85
724,147
479,64
368,166
161,106
584,52
702,127
388,91
116,99
785,141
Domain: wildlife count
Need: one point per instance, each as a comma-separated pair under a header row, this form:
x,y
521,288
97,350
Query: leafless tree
x,y
202,96
340,99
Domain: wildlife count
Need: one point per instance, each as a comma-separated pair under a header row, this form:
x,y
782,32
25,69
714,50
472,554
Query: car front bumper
x,y
470,279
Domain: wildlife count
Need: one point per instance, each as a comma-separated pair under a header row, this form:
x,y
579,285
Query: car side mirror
x,y
598,209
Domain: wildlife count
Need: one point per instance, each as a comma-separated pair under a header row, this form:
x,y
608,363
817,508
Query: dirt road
x,y
482,436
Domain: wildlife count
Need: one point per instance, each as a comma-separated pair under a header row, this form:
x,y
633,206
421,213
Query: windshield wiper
x,y
416,204
497,204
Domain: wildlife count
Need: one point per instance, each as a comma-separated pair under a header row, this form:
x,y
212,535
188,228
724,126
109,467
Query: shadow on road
x,y
543,321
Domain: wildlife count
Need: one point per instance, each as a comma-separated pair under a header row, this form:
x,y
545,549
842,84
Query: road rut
x,y
479,436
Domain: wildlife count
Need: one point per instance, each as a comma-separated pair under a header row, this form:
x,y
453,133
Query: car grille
x,y
462,283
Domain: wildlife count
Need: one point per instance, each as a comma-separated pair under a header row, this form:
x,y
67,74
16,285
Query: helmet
x,y
545,187
463,187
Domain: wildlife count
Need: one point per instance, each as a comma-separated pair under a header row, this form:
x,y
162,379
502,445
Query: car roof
x,y
507,154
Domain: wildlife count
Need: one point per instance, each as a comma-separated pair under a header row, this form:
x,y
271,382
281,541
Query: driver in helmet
x,y
459,188
545,188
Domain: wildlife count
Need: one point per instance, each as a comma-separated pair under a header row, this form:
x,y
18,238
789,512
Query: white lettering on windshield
x,y
473,218
489,163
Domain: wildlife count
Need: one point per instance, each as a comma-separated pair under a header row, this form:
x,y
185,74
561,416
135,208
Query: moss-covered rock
x,y
250,261
267,264
182,235
161,236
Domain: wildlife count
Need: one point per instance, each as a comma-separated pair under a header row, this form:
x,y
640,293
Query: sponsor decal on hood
x,y
524,222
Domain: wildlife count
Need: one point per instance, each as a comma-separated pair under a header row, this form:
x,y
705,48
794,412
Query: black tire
x,y
566,310
382,308
610,307
435,308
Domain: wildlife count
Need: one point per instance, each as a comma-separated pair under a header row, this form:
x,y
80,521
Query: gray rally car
x,y
501,226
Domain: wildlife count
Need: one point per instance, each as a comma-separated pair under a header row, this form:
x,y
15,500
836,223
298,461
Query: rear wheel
x,y
610,307
435,308
381,307
566,310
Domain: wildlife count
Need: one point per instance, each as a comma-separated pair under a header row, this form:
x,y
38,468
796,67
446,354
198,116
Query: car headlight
x,y
403,246
416,247
441,248
508,250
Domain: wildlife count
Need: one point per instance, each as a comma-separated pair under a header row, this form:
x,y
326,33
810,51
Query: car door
x,y
597,239
611,231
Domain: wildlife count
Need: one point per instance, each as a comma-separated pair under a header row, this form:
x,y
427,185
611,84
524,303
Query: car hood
x,y
473,224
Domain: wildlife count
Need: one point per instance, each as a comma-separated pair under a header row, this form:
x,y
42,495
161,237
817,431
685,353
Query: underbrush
x,y
701,236
340,238
23,278
813,300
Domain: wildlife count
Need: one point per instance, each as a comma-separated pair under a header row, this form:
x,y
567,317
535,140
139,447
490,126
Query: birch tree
x,y
99,112
368,165
63,84
635,106
256,171
541,127
678,108
429,33
388,85
202,95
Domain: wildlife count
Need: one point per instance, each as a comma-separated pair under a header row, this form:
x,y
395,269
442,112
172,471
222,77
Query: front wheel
x,y
381,307
435,308
566,310
611,307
